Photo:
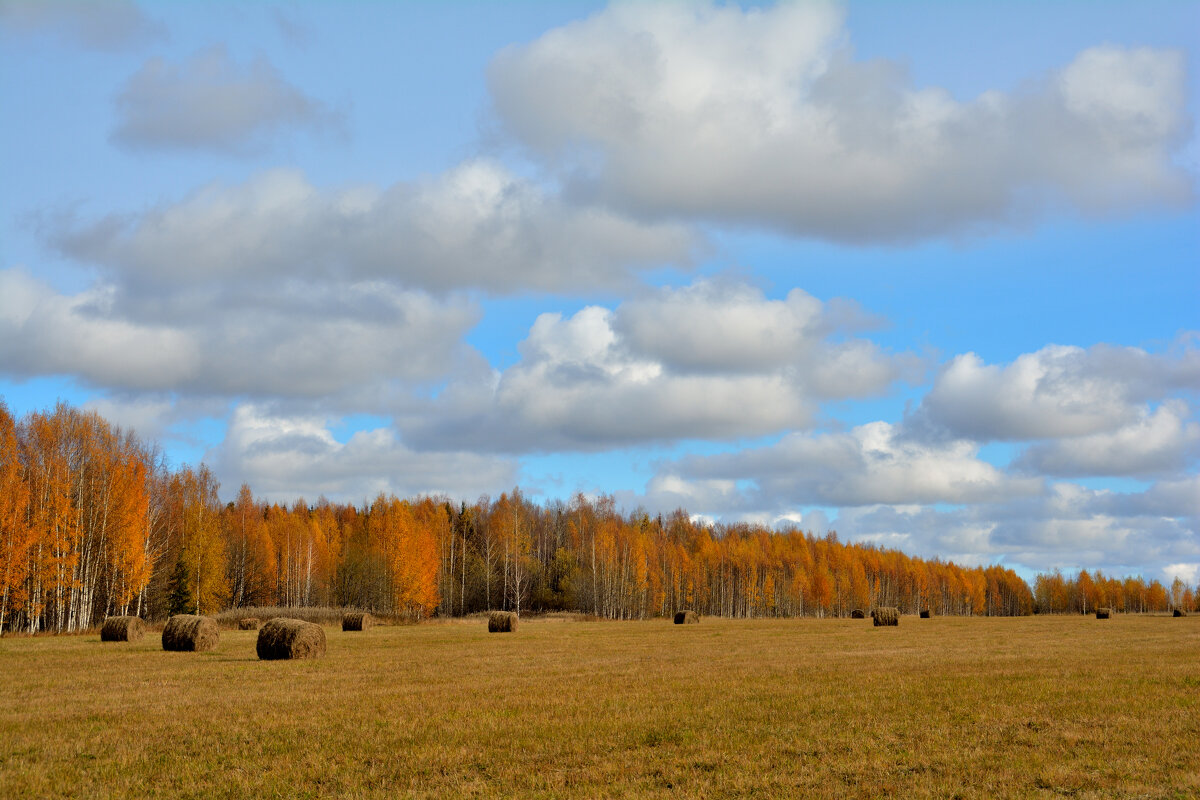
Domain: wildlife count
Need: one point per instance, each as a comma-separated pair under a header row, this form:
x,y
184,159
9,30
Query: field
x,y
948,707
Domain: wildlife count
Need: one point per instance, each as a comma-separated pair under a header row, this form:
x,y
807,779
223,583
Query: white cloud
x,y
154,416
1185,572
1158,442
1173,497
95,24
284,456
211,102
145,415
761,116
973,535
576,389
870,464
1067,527
711,361
298,341
474,226
956,535
1055,392
1137,93
1075,526
721,327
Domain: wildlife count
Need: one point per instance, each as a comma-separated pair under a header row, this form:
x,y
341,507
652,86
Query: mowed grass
x,y
948,707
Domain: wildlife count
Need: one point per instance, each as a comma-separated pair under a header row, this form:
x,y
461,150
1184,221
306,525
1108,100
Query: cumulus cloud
x,y
1057,391
1068,527
285,456
955,534
721,327
476,226
301,341
1064,519
211,102
1062,526
763,117
97,24
870,464
1185,572
1171,497
711,360
576,389
922,486
1159,442
157,416
1075,526
717,327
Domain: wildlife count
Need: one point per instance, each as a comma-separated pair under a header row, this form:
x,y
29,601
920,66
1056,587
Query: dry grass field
x,y
948,707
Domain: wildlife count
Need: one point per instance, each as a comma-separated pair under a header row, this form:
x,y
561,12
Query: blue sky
x,y
925,273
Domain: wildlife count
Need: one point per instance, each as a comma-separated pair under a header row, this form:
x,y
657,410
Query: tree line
x,y
95,522
1084,593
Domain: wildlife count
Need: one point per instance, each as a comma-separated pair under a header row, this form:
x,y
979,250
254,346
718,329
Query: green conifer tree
x,y
179,591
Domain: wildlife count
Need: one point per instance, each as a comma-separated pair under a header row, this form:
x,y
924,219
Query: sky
x,y
923,273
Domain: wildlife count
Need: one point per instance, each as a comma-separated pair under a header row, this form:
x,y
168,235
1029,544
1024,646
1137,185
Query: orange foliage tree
x,y
16,534
92,523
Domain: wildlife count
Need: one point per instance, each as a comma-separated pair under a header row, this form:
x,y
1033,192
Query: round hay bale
x,y
502,622
926,613
857,614
1179,613
1103,613
687,617
122,629
248,624
886,616
357,621
283,638
188,632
